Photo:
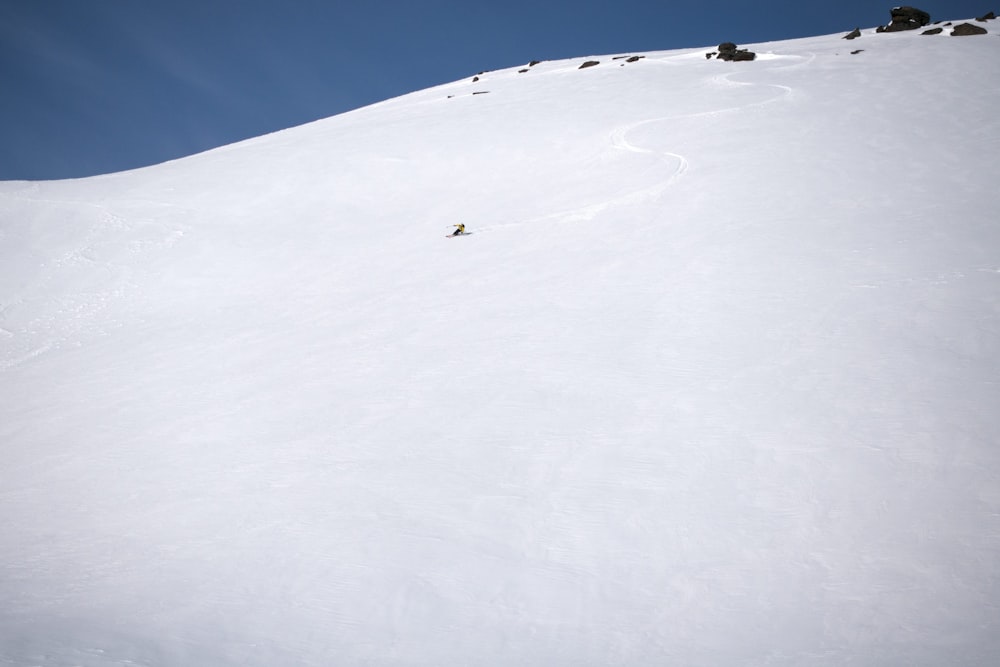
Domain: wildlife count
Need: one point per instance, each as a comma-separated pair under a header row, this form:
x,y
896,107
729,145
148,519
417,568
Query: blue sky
x,y
98,86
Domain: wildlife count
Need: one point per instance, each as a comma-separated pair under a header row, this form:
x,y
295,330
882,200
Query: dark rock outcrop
x,y
933,31
731,53
854,34
589,63
987,17
966,29
906,18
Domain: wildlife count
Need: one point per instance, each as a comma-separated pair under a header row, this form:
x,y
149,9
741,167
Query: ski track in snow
x,y
679,164
619,137
619,140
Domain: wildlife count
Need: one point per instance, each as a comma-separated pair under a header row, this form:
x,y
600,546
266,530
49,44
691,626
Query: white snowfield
x,y
714,381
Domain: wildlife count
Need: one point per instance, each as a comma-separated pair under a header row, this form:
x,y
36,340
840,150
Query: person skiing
x,y
459,231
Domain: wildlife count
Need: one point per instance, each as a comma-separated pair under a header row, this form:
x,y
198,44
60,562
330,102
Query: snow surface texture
x,y
714,381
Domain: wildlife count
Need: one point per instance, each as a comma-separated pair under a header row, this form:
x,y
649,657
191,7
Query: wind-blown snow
x,y
714,381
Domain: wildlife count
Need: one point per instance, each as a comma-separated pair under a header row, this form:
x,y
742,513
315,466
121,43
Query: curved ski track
x,y
618,140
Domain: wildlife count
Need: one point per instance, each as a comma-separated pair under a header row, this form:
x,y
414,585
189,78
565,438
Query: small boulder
x,y
589,63
967,29
987,17
854,34
933,31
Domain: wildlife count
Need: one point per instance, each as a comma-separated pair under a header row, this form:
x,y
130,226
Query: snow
x,y
713,381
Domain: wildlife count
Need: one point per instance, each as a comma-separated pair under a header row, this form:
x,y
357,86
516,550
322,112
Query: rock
x,y
933,31
854,34
906,18
967,29
854,53
731,53
589,63
522,71
740,55
533,63
987,17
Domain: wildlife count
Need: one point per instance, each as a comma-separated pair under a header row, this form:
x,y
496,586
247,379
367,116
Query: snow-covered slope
x,y
714,381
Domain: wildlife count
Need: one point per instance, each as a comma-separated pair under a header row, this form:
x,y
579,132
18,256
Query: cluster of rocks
x,y
962,30
731,53
627,59
911,18
585,65
966,29
902,18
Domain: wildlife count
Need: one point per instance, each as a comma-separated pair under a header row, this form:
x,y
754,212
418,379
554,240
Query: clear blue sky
x,y
95,86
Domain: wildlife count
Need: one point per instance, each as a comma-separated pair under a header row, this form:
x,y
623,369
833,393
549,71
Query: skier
x,y
459,231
